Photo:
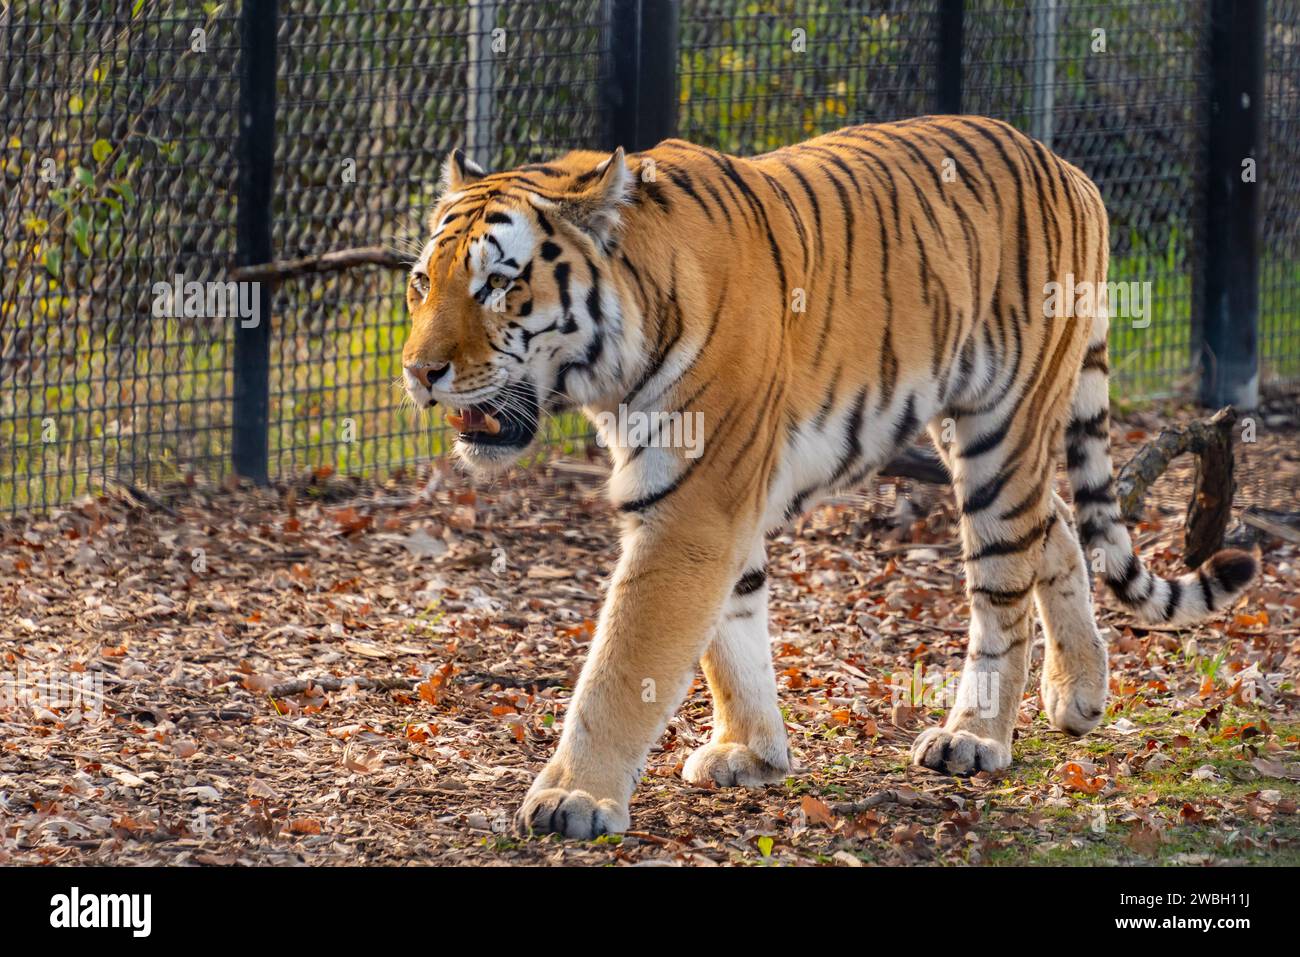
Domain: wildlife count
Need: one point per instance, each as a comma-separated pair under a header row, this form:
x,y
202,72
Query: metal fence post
x,y
480,103
1042,18
640,98
255,186
1228,326
951,25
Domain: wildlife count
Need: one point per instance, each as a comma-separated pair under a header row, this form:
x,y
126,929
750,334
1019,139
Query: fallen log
x,y
1210,504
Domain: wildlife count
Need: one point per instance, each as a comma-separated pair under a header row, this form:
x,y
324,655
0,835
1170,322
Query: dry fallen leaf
x,y
548,572
367,649
1277,769
1074,777
817,812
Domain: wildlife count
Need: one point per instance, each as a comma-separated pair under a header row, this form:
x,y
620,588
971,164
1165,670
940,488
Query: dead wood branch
x,y
508,681
138,497
1210,505
1272,524
903,796
301,685
336,261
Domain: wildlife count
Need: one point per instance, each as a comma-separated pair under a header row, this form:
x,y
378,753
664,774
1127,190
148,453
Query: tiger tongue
x,y
474,420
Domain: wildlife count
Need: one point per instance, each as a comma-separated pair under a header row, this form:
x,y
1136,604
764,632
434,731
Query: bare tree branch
x,y
335,261
1272,524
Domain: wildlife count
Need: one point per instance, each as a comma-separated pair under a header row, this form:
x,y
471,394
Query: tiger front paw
x,y
574,814
734,765
959,752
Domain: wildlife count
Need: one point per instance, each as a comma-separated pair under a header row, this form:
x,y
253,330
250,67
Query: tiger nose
x,y
428,372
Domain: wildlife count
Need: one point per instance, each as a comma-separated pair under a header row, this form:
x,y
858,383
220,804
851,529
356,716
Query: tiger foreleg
x,y
748,746
663,601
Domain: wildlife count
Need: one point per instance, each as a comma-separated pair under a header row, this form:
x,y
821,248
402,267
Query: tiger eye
x,y
498,281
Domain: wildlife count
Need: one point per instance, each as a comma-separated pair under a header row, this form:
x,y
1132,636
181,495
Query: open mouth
x,y
491,424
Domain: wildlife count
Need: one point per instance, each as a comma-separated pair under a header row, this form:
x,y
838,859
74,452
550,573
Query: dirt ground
x,y
225,626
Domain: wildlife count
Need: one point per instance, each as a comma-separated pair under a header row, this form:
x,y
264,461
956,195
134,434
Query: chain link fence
x,y
754,81
119,173
368,104
1279,316
122,186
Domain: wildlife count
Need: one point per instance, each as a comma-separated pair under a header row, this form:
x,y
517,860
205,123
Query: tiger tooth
x,y
493,426
455,421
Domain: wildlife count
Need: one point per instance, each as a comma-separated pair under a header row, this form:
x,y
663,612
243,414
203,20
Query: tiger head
x,y
512,311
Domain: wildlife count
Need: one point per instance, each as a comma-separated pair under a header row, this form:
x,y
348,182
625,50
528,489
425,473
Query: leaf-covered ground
x,y
228,624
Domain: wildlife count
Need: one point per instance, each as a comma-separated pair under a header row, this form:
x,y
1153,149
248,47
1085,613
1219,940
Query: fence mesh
x,y
120,168
755,77
1279,319
368,105
119,172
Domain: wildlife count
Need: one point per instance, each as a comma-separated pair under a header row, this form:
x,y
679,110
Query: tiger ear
x,y
458,171
605,190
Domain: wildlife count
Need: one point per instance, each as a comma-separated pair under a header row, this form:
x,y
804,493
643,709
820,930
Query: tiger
x,y
820,306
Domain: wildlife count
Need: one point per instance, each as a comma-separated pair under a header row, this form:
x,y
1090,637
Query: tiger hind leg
x,y
1001,478
1074,682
